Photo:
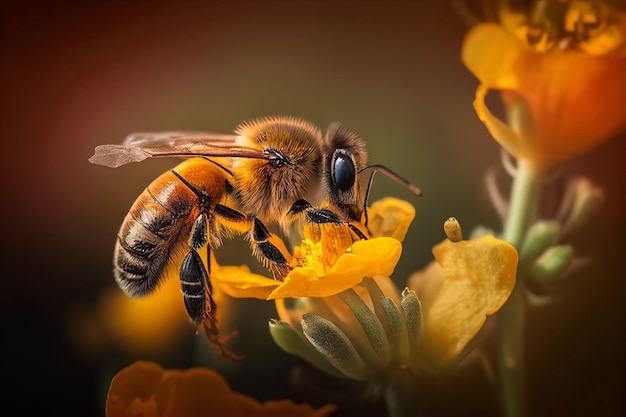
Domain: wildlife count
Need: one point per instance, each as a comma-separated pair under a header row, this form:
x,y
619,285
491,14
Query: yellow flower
x,y
372,331
560,71
150,325
327,261
365,333
146,389
316,273
470,280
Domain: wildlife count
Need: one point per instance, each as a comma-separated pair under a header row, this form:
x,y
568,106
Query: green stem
x,y
400,396
524,197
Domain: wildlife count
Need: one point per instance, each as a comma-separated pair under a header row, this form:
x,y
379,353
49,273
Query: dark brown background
x,y
75,75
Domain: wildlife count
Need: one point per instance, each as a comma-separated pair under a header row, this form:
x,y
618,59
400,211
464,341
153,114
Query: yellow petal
x,y
367,258
130,393
501,132
390,217
427,283
146,389
491,53
479,277
239,282
576,101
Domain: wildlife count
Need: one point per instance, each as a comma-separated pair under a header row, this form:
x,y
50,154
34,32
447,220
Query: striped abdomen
x,y
155,233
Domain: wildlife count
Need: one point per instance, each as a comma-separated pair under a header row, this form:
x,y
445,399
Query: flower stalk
x,y
400,395
524,198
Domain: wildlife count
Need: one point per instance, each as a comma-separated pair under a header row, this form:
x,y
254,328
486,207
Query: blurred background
x,y
78,74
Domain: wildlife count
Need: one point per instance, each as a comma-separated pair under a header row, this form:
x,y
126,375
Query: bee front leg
x,y
269,249
322,216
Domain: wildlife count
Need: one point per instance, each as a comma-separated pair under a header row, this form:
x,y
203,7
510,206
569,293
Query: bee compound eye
x,y
343,170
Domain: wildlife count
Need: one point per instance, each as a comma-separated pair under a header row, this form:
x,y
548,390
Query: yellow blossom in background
x,y
154,324
470,280
560,70
149,325
146,389
145,324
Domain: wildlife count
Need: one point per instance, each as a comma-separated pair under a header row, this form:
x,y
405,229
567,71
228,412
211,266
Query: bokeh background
x,y
77,74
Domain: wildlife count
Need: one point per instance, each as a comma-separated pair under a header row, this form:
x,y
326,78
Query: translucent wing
x,y
139,146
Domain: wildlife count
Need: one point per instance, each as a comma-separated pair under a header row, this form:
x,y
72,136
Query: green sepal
x,y
372,327
539,238
412,309
293,343
335,346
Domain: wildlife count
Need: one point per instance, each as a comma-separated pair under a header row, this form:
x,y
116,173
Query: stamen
x,y
588,26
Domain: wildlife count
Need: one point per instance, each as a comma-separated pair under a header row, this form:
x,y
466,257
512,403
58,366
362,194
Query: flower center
x,y
579,25
309,255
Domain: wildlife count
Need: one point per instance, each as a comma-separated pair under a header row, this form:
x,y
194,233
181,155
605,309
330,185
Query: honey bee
x,y
271,171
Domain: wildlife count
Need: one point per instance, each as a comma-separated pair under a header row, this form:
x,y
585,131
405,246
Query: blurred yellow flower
x,y
152,325
146,389
143,325
560,70
470,280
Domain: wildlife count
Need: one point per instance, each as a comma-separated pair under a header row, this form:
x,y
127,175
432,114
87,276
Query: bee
x,y
271,171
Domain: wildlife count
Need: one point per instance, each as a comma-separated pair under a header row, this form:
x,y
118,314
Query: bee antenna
x,y
415,190
390,174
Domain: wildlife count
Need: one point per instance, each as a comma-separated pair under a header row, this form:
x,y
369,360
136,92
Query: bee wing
x,y
139,146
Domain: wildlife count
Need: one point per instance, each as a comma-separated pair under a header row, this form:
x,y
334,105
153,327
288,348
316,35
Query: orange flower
x,y
561,75
146,389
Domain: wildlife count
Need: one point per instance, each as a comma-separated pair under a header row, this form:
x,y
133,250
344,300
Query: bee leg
x,y
198,291
322,216
232,219
299,208
196,287
270,250
199,232
194,277
266,246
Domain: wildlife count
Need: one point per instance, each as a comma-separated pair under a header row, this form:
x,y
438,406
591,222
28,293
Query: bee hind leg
x,y
198,296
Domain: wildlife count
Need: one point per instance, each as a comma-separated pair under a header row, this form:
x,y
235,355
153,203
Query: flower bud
x,y
365,333
553,264
292,342
412,310
539,237
335,346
